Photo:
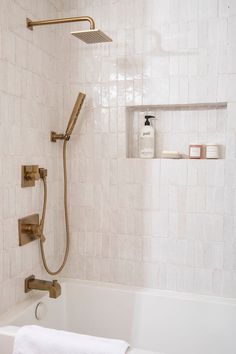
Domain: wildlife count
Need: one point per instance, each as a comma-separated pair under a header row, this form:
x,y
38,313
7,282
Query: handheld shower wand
x,y
54,138
72,121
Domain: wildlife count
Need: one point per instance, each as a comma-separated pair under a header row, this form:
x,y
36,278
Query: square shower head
x,y
92,36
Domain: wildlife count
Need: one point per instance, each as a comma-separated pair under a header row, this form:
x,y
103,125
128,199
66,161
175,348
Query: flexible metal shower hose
x,y
42,239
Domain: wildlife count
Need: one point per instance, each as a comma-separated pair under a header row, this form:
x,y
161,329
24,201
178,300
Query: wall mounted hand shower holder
x,y
72,121
55,136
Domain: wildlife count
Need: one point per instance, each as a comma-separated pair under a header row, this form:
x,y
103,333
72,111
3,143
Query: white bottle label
x,y
146,142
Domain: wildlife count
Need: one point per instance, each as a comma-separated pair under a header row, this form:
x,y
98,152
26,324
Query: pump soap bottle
x,y
146,140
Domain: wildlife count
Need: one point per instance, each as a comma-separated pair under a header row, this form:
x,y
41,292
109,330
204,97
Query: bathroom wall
x,y
159,223
30,106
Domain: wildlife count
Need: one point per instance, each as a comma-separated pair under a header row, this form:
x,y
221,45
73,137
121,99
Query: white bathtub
x,y
153,321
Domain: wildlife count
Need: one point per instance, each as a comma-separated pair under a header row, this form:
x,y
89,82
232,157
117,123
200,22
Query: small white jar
x,y
195,151
212,151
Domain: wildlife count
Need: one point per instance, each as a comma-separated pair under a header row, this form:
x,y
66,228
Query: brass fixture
x,y
34,229
42,239
30,24
65,137
28,229
72,121
90,36
43,172
75,112
53,287
54,137
29,174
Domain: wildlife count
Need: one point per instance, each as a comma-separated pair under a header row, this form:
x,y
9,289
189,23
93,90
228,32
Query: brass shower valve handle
x,y
29,174
32,173
30,229
34,229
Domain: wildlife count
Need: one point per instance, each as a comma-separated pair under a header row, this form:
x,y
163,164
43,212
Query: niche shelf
x,y
177,125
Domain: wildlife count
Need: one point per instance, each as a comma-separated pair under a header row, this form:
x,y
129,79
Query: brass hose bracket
x,y
43,172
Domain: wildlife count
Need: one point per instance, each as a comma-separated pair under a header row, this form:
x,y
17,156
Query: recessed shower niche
x,y
177,126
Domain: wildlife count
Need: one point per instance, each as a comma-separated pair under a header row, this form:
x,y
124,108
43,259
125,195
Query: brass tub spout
x,y
53,287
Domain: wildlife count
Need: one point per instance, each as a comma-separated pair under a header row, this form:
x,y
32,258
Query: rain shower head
x,y
92,36
89,36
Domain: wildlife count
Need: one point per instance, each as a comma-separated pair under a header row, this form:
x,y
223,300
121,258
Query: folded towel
x,y
39,340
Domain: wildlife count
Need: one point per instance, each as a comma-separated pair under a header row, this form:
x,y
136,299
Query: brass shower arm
x,y
30,24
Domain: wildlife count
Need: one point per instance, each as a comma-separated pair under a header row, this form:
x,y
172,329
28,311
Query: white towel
x,y
39,340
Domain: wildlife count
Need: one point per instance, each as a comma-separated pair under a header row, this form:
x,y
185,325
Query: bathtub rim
x,y
154,292
10,315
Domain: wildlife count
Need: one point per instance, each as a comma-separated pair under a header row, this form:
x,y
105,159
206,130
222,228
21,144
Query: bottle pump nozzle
x,y
147,119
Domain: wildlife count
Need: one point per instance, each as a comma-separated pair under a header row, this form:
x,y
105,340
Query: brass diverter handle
x,y
30,229
30,174
35,230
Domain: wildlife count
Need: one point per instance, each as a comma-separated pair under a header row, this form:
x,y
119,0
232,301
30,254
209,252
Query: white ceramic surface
x,y
151,320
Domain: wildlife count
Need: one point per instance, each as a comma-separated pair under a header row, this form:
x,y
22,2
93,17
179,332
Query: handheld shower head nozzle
x,y
72,121
74,115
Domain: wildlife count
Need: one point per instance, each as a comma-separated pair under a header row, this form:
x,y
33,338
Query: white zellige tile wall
x,y
30,106
163,224
158,223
